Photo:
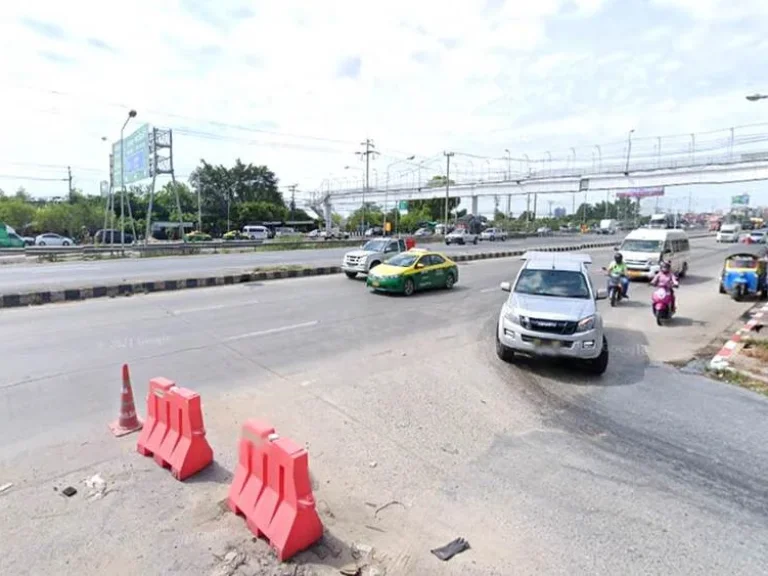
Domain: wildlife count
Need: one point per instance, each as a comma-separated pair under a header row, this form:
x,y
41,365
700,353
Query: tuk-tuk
x,y
744,272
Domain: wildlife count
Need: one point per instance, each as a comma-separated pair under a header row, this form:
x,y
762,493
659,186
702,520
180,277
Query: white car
x,y
461,236
729,233
552,311
493,234
53,240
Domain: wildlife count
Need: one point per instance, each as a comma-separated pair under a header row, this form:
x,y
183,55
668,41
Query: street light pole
x,y
131,114
448,156
629,150
509,163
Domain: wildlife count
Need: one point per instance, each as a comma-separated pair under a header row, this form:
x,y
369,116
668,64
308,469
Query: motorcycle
x,y
615,287
662,304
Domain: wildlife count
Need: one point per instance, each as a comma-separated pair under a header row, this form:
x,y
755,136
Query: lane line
x,y
214,307
486,290
272,331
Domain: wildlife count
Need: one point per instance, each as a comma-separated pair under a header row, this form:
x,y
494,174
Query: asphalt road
x,y
56,276
544,469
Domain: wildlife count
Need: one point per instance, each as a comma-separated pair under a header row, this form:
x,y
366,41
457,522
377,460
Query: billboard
x,y
137,157
740,200
640,193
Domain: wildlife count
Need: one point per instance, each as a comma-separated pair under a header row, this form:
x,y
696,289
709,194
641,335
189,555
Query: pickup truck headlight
x,y
516,318
586,324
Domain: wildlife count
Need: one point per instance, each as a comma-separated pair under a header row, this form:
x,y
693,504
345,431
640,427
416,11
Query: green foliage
x,y
435,207
248,193
439,181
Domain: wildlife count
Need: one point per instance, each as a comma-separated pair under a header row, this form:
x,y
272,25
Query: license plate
x,y
376,283
546,343
632,274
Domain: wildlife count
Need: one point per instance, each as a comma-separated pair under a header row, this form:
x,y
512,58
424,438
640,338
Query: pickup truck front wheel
x,y
474,241
351,275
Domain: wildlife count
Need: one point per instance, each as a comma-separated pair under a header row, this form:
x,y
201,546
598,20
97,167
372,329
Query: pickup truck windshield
x,y
556,283
402,260
642,246
376,245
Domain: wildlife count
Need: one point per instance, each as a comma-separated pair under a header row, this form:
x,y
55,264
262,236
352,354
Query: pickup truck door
x,y
391,250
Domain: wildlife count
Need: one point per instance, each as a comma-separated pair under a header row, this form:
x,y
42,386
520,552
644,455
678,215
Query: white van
x,y
643,248
256,232
729,233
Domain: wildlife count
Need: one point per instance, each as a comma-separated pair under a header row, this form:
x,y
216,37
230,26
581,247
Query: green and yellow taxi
x,y
414,270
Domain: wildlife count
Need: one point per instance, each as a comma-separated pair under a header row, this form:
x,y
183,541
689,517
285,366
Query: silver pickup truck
x,y
373,253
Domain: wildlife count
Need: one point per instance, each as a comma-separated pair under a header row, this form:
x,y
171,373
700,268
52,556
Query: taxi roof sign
x,y
553,256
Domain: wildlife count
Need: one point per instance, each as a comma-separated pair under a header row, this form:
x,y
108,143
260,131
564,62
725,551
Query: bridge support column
x,y
509,206
328,214
474,206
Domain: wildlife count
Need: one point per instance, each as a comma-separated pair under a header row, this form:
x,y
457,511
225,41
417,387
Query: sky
x,y
297,86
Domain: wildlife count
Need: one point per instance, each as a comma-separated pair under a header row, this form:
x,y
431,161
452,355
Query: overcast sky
x,y
298,85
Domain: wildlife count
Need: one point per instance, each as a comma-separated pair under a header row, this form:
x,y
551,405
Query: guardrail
x,y
188,248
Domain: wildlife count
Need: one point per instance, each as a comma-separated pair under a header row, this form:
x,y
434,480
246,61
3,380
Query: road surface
x,y
56,276
542,468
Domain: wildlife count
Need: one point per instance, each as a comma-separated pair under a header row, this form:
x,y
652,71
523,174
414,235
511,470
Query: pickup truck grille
x,y
353,260
552,326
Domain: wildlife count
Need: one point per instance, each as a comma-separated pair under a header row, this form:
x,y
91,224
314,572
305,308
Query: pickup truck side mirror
x,y
602,294
506,287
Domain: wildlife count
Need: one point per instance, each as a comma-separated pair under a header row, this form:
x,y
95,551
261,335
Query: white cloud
x,y
432,76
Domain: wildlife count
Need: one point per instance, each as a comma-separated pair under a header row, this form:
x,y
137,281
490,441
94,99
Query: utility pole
x,y
448,156
292,188
370,149
69,179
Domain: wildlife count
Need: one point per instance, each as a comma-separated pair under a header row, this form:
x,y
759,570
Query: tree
x,y
439,182
16,213
373,216
435,207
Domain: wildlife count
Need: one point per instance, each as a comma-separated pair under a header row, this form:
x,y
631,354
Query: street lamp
x,y
755,97
629,150
509,163
131,114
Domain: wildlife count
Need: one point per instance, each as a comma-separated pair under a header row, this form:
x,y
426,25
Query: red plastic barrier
x,y
187,450
272,489
295,525
247,484
158,416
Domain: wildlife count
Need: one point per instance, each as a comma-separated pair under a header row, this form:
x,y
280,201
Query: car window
x,y
403,260
375,245
436,260
392,247
401,244
641,245
555,283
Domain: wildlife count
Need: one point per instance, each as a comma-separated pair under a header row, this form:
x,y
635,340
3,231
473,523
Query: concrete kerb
x,y
722,360
129,289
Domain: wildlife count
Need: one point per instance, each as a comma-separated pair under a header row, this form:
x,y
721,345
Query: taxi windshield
x,y
403,260
557,283
375,245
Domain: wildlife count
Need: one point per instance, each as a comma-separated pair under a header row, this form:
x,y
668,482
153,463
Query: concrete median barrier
x,y
34,298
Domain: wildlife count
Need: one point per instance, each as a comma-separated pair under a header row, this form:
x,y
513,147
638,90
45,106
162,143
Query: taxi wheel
x,y
408,287
449,281
722,288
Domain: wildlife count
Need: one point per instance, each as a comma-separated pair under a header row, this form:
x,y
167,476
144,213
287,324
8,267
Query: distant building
x,y
560,212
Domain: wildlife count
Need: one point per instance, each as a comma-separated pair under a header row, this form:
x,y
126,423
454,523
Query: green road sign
x,y
136,157
402,205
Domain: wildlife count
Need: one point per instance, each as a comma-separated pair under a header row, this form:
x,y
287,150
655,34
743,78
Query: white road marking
x,y
214,307
486,290
272,331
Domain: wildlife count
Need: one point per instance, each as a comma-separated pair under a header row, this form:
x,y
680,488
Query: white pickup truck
x,y
461,236
373,253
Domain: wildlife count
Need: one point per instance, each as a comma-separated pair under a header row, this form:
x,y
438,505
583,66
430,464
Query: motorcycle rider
x,y
619,267
666,279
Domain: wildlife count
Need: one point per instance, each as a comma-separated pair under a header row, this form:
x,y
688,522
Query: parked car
x,y
375,231
493,234
335,234
50,239
111,236
544,231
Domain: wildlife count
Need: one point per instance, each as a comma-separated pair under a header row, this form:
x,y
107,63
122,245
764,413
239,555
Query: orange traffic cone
x,y
128,421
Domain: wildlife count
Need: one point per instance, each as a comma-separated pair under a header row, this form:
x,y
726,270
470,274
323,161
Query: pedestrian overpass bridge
x,y
743,168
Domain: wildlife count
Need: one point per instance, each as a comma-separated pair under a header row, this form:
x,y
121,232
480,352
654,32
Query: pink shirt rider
x,y
664,280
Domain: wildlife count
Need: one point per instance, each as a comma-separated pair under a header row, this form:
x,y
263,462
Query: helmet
x,y
665,266
618,257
